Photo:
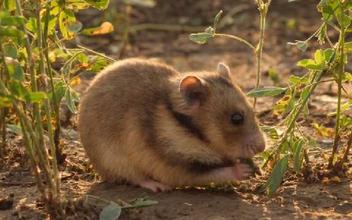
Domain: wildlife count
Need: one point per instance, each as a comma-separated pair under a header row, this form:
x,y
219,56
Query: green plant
x,y
32,36
292,145
113,209
211,32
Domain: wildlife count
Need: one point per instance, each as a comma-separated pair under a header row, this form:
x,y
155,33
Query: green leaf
x,y
5,101
328,53
71,98
271,132
98,63
9,5
305,93
10,32
17,89
16,71
60,90
302,45
10,50
201,38
348,47
343,19
98,4
277,175
266,91
309,64
295,80
110,212
82,58
273,75
298,155
319,57
75,27
31,25
347,77
143,202
12,20
67,19
77,5
35,97
327,8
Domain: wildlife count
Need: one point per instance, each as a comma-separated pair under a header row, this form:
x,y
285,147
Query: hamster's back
x,y
128,88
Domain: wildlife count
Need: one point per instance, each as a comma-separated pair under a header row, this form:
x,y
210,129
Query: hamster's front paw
x,y
154,185
239,171
242,171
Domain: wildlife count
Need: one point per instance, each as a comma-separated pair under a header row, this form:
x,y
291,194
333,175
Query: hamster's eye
x,y
237,118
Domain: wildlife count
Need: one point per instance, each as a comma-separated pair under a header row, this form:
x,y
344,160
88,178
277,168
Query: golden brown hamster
x,y
146,123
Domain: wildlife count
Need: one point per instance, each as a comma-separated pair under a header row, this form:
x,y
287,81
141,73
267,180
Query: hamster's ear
x,y
224,71
193,90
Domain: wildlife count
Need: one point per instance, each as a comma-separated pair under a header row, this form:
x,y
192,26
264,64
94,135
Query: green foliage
x,y
110,212
277,175
266,91
291,147
113,210
209,32
31,42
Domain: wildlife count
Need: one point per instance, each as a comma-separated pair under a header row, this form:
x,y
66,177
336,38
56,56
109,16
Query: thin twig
x,y
96,53
236,38
263,10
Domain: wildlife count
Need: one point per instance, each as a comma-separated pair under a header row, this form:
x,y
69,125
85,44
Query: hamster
x,y
148,124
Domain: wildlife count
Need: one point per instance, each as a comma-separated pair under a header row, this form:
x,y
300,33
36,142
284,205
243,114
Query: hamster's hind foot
x,y
153,185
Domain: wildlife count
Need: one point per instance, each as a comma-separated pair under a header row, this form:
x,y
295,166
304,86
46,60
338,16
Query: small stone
x,y
7,203
344,207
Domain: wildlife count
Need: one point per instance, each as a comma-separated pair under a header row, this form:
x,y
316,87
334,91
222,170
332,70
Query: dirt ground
x,y
296,199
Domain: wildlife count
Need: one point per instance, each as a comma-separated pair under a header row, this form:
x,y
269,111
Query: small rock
x,y
344,207
7,203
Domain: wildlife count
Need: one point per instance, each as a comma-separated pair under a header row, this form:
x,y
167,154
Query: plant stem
x,y
349,144
54,182
56,103
299,107
96,53
339,90
236,38
3,111
37,133
27,131
263,9
32,73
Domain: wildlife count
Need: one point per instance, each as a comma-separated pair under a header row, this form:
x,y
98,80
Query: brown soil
x,y
326,198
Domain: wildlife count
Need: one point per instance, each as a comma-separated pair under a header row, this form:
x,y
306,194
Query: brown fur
x,y
135,123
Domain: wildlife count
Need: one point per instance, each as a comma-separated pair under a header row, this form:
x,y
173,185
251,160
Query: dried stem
x,y
263,10
347,151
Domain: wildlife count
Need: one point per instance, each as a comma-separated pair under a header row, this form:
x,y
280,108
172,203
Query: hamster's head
x,y
221,113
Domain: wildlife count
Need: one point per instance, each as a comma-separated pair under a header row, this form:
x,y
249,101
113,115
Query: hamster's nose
x,y
257,146
260,147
